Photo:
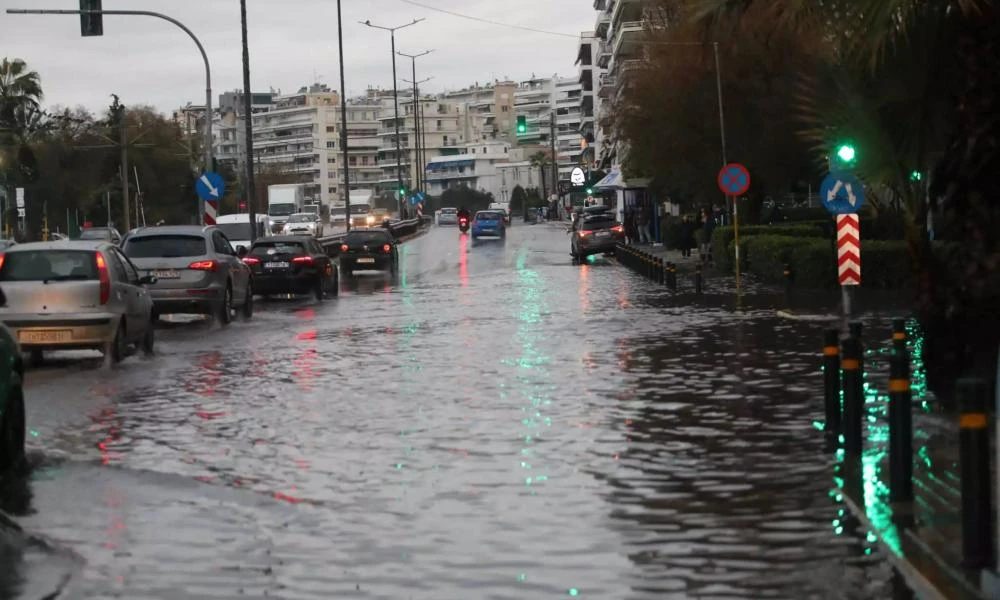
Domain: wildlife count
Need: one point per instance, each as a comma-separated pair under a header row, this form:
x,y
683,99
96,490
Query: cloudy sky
x,y
292,43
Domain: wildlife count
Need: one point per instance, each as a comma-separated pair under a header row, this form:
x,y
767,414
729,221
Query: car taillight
x,y
102,275
303,260
585,232
202,265
386,248
618,229
251,261
1,261
344,248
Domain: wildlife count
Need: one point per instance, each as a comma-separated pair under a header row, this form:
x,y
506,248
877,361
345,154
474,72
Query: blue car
x,y
489,223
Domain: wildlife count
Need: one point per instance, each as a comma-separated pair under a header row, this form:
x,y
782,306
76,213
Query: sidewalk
x,y
923,539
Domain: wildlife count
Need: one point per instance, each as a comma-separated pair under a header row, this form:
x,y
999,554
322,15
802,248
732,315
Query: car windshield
x,y
360,209
280,210
96,234
49,265
366,237
264,249
300,218
235,231
165,246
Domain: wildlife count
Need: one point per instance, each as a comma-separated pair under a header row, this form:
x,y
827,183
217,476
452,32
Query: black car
x,y
368,249
291,264
595,231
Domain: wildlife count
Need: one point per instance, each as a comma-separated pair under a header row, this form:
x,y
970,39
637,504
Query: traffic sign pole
x,y
734,181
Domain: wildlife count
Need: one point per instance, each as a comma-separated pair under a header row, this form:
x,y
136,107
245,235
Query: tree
x,y
541,160
20,95
518,197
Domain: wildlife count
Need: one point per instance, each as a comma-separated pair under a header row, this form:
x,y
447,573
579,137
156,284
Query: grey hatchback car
x,y
196,269
72,294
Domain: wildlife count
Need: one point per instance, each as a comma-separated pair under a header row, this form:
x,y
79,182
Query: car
x,y
237,229
292,264
5,244
72,295
107,234
489,223
447,216
12,421
595,231
503,208
304,224
368,249
197,271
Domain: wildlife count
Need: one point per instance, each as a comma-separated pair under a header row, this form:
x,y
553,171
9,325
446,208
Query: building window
x,y
331,144
330,128
364,160
351,161
331,159
438,126
504,108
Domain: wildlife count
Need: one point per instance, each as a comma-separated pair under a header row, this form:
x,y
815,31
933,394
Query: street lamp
x,y
395,99
343,122
251,189
416,112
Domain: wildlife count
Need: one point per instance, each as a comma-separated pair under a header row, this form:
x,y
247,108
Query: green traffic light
x,y
846,153
916,176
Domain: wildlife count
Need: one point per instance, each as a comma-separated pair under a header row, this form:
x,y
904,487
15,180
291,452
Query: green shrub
x,y
811,259
722,239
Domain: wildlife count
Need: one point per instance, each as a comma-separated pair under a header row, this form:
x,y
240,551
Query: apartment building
x,y
589,77
476,166
619,30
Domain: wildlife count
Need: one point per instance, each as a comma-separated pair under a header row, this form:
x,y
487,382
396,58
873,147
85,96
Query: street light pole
x,y
147,13
395,98
343,122
251,188
416,111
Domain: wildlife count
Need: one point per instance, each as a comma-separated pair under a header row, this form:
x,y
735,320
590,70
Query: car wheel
x,y
118,349
149,339
37,358
225,311
318,288
333,283
246,311
12,430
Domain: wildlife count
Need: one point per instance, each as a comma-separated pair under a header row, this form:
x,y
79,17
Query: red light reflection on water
x,y
306,314
208,377
463,260
583,290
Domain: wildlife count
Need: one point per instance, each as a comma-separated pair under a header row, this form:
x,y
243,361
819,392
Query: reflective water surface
x,y
495,423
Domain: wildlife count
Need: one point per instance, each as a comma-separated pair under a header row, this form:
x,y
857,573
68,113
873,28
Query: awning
x,y
615,181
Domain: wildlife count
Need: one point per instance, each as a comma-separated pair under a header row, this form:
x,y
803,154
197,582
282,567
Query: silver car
x,y
448,216
72,294
304,224
196,269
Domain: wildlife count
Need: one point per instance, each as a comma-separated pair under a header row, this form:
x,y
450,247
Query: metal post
x,y
900,428
123,141
974,459
343,120
147,13
853,396
251,188
899,334
555,157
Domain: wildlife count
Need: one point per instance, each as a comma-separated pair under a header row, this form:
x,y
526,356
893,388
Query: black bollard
x,y
831,381
900,429
899,334
673,277
854,399
974,459
789,277
854,330
661,267
698,283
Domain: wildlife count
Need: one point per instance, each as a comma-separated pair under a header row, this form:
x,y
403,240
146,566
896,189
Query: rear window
x,y
600,221
449,211
49,265
490,216
96,234
366,237
166,246
269,248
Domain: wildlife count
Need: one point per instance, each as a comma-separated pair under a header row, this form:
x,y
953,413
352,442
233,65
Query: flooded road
x,y
496,423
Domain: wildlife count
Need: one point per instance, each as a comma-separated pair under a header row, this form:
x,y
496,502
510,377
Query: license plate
x,y
45,337
276,265
367,261
603,233
167,274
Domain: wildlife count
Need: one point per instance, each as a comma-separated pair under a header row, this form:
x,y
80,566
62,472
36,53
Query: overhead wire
x,y
489,21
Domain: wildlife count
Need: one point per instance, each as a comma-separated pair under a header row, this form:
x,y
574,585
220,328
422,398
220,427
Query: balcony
x,y
609,81
628,38
603,54
603,24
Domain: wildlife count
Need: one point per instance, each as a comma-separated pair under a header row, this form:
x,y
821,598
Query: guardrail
x,y
398,228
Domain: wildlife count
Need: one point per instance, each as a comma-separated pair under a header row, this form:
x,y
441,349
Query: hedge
x,y
884,265
722,239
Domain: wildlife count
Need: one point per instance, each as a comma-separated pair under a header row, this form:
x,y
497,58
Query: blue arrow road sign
x,y
842,193
417,198
210,187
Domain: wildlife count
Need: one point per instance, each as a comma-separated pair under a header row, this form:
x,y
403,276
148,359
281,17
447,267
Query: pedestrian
x,y
642,223
686,235
629,225
708,220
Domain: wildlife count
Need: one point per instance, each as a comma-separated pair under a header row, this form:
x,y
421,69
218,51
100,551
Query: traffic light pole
x,y
147,13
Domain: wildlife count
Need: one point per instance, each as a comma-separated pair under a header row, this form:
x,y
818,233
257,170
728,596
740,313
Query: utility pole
x,y
555,159
416,112
118,110
343,122
251,190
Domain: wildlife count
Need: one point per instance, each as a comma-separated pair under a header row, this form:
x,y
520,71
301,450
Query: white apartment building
x,y
568,94
619,30
476,167
590,74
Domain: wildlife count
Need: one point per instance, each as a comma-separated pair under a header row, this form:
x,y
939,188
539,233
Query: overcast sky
x,y
292,43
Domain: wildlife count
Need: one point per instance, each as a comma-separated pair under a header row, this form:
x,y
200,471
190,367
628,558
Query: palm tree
x,y
541,160
20,113
904,79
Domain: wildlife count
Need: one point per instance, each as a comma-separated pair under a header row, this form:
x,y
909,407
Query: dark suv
x,y
368,249
595,231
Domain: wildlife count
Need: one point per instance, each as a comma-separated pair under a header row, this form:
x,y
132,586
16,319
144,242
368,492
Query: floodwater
x,y
493,423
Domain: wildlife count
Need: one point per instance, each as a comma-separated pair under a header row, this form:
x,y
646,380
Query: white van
x,y
237,228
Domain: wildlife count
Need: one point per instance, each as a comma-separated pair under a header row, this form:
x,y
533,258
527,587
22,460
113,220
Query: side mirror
x,y
242,251
148,280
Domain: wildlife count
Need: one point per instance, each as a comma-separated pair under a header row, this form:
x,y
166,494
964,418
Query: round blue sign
x,y
210,186
842,193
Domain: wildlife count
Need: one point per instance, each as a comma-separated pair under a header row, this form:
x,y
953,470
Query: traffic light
x,y
846,154
916,175
590,190
91,25
522,124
